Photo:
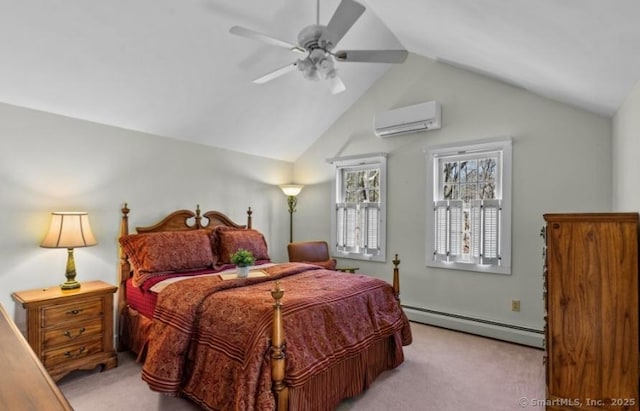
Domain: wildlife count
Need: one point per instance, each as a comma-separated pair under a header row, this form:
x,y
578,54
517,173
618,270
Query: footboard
x,y
278,345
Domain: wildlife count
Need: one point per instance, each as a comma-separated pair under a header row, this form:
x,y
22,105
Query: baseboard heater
x,y
487,328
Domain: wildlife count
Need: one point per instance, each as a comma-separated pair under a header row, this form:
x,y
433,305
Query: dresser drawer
x,y
71,352
72,332
58,314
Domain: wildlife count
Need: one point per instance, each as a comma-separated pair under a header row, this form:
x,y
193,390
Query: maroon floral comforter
x,y
210,338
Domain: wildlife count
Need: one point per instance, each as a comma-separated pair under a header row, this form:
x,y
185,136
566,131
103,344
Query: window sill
x,y
490,269
361,257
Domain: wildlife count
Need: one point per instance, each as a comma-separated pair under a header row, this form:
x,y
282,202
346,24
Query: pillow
x,y
214,236
160,253
229,240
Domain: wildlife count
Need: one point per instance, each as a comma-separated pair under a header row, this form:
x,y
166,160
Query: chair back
x,y
308,251
313,252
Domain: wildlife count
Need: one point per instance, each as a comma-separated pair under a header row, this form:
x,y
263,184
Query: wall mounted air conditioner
x,y
410,119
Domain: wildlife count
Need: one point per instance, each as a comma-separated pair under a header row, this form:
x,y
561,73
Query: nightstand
x,y
71,330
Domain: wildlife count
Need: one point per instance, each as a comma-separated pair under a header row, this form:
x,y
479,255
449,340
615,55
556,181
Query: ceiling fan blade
x,y
344,17
241,31
337,86
372,56
276,73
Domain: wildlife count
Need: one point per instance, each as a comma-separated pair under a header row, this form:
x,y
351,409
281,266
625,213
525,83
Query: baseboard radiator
x,y
486,328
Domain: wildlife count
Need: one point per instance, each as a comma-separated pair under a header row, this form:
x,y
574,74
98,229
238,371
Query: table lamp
x,y
69,230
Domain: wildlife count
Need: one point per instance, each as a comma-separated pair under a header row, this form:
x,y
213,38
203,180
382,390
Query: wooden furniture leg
x,y
278,352
396,277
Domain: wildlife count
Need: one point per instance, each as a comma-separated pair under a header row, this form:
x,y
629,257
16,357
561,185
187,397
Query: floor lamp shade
x,y
69,230
291,189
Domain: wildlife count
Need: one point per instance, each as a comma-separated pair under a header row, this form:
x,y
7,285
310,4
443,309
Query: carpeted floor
x,y
443,371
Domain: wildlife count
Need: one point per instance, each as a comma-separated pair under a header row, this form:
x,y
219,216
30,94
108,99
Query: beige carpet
x,y
443,371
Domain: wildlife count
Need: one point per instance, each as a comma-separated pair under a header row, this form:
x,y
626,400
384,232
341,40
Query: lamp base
x,y
70,285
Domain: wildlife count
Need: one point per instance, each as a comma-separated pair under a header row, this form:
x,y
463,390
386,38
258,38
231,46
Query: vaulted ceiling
x,y
171,67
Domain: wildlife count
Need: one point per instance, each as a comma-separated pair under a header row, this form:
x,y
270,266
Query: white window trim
x,y
358,160
495,144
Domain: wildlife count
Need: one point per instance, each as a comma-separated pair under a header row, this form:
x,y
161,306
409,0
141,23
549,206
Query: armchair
x,y
314,252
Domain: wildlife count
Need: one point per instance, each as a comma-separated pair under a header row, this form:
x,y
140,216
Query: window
x,y
469,206
359,207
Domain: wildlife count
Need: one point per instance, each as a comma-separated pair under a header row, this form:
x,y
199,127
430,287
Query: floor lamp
x,y
291,191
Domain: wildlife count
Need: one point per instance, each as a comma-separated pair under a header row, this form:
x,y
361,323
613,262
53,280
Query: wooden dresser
x,y
71,330
25,382
591,302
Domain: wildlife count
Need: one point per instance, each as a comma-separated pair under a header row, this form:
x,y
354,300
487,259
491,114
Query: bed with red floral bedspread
x,y
212,339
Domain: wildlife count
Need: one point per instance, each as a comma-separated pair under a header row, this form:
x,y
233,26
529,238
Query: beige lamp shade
x,y
69,230
291,190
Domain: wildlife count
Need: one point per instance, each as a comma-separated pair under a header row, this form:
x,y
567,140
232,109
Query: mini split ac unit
x,y
410,119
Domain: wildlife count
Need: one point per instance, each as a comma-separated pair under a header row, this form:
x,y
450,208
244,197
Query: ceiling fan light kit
x,y
317,41
317,65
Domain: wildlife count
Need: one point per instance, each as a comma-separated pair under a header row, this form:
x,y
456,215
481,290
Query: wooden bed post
x,y
249,212
396,277
278,352
198,217
123,274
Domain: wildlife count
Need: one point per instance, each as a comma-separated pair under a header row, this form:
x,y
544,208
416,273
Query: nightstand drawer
x,y
72,332
55,315
71,352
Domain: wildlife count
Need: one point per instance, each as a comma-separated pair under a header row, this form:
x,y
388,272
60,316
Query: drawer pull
x,y
69,354
74,312
71,337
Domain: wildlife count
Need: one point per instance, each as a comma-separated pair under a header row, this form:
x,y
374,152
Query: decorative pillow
x,y
214,236
159,253
229,240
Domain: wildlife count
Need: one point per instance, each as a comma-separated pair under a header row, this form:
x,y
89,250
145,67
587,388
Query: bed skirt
x,y
349,378
135,329
323,392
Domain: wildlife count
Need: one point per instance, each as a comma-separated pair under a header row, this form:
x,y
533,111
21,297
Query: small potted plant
x,y
243,259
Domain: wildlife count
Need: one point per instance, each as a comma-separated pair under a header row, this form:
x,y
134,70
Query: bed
x,y
290,336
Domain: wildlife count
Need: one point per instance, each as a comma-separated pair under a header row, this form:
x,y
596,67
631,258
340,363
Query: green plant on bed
x,y
243,258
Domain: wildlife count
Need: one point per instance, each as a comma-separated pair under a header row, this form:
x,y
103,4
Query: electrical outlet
x,y
515,305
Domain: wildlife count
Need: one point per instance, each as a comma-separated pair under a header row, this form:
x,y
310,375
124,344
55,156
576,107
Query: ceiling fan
x,y
317,41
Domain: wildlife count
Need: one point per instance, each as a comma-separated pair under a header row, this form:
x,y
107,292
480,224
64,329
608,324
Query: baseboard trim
x,y
486,328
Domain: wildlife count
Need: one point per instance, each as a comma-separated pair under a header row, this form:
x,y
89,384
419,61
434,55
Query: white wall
x,y
561,163
626,148
54,163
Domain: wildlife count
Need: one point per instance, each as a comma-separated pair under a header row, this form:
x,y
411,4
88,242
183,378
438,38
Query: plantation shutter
x,y
350,222
491,210
440,215
475,221
372,218
345,226
340,226
448,230
455,230
485,226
